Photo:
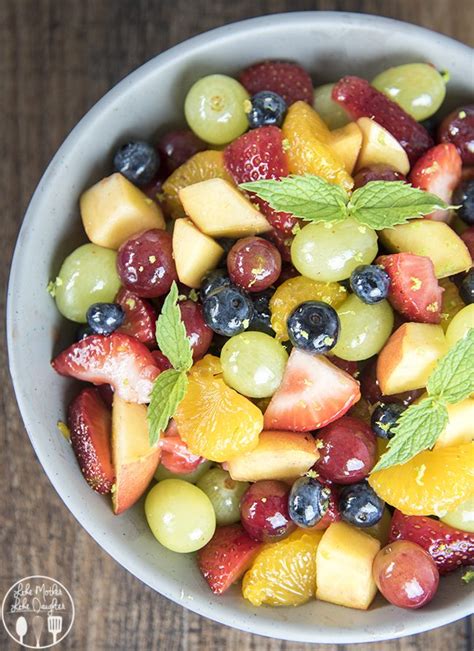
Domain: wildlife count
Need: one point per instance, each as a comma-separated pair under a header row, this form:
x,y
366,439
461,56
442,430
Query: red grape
x,y
176,147
406,574
468,239
349,367
253,263
348,452
161,360
199,333
106,393
378,172
145,263
264,510
282,242
332,514
458,128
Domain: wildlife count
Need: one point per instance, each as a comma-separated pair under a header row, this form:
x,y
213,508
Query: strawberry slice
x,y
448,547
289,80
90,424
439,172
360,99
119,360
140,317
227,556
175,454
414,289
255,156
313,393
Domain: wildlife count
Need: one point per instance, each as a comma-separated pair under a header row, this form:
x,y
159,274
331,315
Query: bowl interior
x,y
329,45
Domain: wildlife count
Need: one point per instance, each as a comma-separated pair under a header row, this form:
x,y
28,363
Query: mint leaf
x,y
417,429
171,333
168,390
309,197
384,204
453,377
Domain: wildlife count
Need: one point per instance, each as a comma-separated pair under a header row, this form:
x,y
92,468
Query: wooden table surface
x,y
57,57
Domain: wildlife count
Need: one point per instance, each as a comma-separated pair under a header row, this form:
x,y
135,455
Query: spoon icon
x,y
21,628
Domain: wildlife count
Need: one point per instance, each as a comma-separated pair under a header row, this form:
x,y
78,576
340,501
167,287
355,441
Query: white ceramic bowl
x,y
329,45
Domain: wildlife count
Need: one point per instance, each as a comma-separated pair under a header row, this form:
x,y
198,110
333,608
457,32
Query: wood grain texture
x,y
57,57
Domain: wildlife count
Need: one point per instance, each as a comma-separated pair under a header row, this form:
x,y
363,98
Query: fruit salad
x,y
275,335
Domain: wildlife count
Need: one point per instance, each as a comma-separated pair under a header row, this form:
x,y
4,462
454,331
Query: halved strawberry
x,y
227,556
118,359
414,289
175,454
438,171
448,547
289,80
90,425
140,317
360,99
313,393
255,156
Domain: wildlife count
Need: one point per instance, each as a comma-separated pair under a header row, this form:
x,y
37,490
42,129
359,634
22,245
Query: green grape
x,y
417,87
88,275
329,110
462,517
192,477
224,493
215,109
461,323
253,364
364,329
180,515
331,251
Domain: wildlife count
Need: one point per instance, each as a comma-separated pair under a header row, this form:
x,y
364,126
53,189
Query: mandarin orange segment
x,y
284,573
202,166
308,148
215,421
431,483
451,303
295,291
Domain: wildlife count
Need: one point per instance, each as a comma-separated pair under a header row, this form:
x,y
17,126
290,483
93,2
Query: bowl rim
x,y
167,589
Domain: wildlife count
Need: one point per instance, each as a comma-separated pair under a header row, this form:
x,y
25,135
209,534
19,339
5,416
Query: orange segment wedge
x,y
308,149
284,573
215,421
202,166
431,483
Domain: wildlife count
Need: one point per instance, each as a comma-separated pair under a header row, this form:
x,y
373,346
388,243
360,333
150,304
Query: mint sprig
x,y
171,385
378,204
420,425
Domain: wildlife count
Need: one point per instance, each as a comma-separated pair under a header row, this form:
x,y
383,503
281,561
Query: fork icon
x,y
55,626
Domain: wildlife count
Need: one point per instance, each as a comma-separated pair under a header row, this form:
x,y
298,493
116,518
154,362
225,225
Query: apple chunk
x,y
114,209
379,146
344,561
220,210
460,427
435,240
278,455
346,143
409,356
194,253
134,459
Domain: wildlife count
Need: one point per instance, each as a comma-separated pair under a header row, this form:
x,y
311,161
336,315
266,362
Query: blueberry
x,y
308,501
464,196
314,327
227,310
213,280
370,283
385,417
138,161
262,315
268,108
83,331
466,290
360,505
104,318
